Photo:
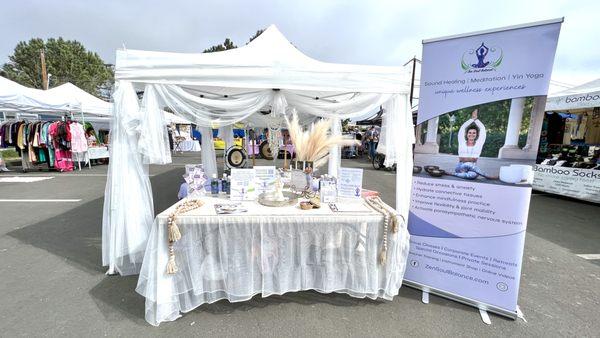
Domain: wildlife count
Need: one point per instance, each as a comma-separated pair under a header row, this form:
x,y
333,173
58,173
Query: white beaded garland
x,y
173,233
388,213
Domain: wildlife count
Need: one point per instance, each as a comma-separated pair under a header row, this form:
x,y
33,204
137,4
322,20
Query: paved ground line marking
x,y
39,200
590,256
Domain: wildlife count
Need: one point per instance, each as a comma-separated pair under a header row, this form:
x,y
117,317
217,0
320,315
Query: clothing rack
x,y
27,164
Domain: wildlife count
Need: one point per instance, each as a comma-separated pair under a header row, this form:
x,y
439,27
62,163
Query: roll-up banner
x,y
481,108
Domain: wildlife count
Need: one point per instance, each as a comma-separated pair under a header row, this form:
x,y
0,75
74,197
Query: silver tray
x,y
292,200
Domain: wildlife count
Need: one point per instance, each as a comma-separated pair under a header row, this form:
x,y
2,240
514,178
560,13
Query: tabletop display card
x,y
242,184
350,182
195,179
328,191
265,179
230,208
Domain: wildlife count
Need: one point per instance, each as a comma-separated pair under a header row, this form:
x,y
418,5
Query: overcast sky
x,y
360,32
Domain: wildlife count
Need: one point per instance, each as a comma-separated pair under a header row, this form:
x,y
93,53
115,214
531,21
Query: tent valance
x,y
586,95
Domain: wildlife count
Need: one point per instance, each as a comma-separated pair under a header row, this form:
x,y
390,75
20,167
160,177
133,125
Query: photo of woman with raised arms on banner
x,y
471,137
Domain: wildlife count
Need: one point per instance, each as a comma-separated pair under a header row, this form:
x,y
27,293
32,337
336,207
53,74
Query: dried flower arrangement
x,y
313,144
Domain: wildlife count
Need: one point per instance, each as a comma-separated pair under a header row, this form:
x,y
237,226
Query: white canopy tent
x,y
219,89
64,98
17,98
85,101
586,95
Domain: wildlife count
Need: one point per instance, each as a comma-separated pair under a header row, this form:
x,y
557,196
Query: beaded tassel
x,y
378,205
171,265
383,254
174,233
173,230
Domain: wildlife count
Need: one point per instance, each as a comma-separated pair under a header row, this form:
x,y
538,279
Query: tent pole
x,y
253,154
284,154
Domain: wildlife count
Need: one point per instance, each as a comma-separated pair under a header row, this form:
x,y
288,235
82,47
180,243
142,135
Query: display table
x,y
189,145
95,153
268,251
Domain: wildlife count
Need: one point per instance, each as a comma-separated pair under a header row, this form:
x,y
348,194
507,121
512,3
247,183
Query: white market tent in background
x,y
67,97
586,95
17,98
64,98
219,89
87,102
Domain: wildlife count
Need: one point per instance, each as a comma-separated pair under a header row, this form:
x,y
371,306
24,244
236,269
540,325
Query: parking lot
x,y
53,282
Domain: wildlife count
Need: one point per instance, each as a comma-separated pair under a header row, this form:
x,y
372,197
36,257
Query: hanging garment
x,y
49,145
62,136
20,139
2,129
63,160
78,140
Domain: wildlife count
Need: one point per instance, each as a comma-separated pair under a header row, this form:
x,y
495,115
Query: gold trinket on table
x,y
316,202
306,205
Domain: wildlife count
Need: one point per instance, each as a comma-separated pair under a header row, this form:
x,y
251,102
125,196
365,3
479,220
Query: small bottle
x,y
224,184
214,185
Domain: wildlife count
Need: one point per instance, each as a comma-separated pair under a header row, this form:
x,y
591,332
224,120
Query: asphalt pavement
x,y
52,282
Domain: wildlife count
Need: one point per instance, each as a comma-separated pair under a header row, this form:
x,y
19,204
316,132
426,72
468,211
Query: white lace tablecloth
x,y
189,145
95,153
269,251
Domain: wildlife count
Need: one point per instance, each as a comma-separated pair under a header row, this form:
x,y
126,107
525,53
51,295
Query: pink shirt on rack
x,y
78,140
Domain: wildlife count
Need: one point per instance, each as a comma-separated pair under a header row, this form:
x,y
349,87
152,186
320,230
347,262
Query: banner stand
x,y
485,317
470,199
461,299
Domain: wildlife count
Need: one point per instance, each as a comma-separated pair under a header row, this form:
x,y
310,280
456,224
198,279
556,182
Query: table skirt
x,y
190,145
236,257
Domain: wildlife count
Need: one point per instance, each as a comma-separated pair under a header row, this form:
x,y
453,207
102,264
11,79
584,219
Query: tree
x,y
227,44
257,34
66,61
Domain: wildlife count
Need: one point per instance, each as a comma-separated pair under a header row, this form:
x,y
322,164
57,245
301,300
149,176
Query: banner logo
x,y
481,59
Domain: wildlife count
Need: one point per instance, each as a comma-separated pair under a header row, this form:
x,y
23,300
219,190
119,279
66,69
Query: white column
x,y
511,141
418,133
430,146
535,125
335,155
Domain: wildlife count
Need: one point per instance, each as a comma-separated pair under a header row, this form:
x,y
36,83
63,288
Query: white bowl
x,y
527,171
511,174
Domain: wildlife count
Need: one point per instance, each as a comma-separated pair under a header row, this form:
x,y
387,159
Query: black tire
x,y
378,161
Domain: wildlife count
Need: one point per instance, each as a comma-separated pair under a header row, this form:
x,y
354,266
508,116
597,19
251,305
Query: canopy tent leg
x,y
335,156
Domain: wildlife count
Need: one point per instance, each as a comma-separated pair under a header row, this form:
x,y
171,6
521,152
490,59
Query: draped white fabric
x,y
268,251
207,112
154,139
399,137
343,106
128,208
209,159
226,133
